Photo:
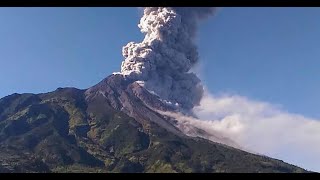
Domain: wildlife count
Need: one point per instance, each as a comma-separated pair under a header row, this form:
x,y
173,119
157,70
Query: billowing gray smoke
x,y
162,61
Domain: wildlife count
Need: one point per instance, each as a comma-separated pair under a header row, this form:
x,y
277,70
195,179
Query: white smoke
x,y
161,63
194,127
259,127
167,53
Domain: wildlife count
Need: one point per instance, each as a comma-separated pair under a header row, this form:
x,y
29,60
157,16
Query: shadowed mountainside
x,y
108,128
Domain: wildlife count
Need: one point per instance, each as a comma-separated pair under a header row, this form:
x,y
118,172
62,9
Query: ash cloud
x,y
162,61
257,127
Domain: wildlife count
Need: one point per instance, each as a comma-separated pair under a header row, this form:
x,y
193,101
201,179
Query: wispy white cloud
x,y
260,127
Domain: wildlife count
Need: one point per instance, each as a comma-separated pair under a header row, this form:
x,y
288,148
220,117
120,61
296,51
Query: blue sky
x,y
264,54
45,48
269,54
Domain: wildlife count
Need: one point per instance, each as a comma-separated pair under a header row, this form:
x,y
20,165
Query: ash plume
x,y
162,61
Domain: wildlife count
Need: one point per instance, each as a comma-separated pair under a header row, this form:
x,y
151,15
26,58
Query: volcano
x,y
111,127
122,124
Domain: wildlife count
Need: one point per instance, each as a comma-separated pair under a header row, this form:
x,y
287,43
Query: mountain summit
x,y
122,124
110,127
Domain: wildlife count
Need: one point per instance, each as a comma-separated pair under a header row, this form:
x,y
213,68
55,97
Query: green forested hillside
x,y
61,132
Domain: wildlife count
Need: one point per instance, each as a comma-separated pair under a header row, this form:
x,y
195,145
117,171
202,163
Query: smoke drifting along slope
x,y
162,61
257,127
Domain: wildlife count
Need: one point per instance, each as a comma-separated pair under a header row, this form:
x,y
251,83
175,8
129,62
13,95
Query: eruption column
x,y
164,58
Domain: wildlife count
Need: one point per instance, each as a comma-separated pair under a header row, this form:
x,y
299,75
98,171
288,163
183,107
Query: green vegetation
x,y
61,132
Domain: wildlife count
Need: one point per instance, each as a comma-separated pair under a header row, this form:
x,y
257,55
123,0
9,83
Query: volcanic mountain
x,y
108,128
122,124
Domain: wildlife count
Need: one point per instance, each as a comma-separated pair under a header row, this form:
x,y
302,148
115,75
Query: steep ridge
x,y
107,128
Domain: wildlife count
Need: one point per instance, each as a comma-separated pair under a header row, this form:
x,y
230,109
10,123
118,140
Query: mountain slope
x,y
109,128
